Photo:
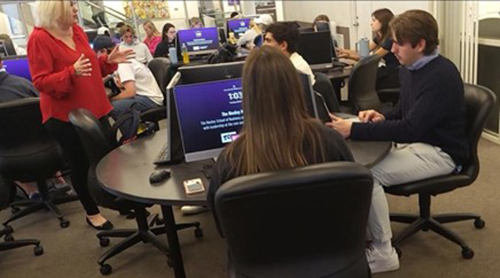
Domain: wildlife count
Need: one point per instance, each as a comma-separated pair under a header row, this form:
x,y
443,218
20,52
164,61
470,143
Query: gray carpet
x,y
73,252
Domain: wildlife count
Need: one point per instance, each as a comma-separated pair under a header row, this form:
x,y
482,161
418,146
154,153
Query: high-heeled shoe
x,y
104,227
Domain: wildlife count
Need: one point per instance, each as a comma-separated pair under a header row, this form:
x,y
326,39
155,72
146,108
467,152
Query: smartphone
x,y
193,186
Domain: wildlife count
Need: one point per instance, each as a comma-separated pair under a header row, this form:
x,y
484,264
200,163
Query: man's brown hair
x,y
127,28
413,26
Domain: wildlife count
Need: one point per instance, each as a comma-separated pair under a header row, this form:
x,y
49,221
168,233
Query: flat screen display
x,y
199,40
17,66
238,26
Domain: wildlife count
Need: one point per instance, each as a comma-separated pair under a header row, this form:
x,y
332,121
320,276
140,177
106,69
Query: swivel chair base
x,y
47,202
10,243
425,221
133,236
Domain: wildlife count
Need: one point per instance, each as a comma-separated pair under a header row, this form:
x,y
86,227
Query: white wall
x,y
4,28
488,7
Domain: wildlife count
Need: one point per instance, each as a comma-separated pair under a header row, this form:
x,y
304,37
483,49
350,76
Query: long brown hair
x,y
384,16
276,125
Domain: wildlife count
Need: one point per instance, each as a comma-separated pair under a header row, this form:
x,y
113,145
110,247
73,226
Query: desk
x,y
125,172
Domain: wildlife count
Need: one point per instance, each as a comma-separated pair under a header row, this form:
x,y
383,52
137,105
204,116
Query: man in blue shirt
x,y
428,125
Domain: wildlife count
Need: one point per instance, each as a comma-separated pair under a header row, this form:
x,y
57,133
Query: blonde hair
x,y
153,27
127,28
54,14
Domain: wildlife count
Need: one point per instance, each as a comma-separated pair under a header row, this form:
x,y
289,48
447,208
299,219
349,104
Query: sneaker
x,y
190,210
379,262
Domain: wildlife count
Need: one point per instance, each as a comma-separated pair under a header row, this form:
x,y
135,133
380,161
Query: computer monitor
x,y
210,116
17,65
306,29
316,47
238,26
309,95
210,72
199,40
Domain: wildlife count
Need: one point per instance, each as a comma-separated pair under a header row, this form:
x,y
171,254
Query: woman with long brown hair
x,y
277,131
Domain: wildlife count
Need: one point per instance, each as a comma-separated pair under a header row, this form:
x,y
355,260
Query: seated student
x,y
167,40
195,22
285,36
257,27
153,36
428,125
387,76
324,18
13,88
139,88
274,108
129,41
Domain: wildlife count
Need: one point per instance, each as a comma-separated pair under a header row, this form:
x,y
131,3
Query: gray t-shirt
x,y
14,87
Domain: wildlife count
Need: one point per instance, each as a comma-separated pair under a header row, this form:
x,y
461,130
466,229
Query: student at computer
x,y
195,22
256,28
387,76
274,108
129,41
139,90
68,75
153,36
428,125
322,18
285,36
167,40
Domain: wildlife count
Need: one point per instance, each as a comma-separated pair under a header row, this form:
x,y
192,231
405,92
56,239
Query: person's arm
x,y
41,63
129,90
349,54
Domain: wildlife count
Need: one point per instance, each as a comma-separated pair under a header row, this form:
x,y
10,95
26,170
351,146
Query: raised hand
x,y
82,66
120,56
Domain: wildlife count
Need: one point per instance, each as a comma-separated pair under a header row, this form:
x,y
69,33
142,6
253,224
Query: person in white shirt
x,y
139,89
257,26
285,36
129,41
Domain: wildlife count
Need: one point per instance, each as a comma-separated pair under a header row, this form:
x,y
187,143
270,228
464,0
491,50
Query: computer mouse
x,y
159,176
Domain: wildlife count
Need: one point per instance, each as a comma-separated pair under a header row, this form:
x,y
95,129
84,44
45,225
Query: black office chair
x,y
304,222
98,142
28,153
159,67
8,47
324,86
479,102
6,191
361,86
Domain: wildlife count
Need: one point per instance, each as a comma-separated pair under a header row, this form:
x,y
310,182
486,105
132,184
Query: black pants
x,y
100,19
74,152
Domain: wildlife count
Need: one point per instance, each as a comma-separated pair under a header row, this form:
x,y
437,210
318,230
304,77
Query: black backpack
x,y
225,53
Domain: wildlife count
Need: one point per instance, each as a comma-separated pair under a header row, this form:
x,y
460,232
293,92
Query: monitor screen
x,y
18,66
211,72
199,40
316,48
210,116
238,26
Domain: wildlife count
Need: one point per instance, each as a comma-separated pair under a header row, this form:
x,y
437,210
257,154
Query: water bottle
x,y
172,53
363,47
185,55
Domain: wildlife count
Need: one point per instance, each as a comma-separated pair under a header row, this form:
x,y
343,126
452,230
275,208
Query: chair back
x,y
5,193
362,85
479,102
159,67
27,152
324,86
303,222
8,47
97,143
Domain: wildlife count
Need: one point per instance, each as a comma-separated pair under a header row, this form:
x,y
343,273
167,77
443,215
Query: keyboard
x,y
164,156
338,64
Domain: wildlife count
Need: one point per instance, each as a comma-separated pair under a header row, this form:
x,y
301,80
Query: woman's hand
x,y
116,56
82,66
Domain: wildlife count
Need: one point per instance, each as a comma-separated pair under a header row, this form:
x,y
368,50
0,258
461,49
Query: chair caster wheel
x,y
106,269
170,263
479,223
104,241
198,233
38,250
467,253
400,253
8,230
64,223
15,210
9,237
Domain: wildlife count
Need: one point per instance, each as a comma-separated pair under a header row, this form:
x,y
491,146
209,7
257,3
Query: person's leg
x,y
123,106
405,163
73,149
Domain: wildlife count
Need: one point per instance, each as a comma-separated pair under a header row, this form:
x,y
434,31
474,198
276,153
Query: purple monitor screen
x,y
17,67
199,40
238,26
210,116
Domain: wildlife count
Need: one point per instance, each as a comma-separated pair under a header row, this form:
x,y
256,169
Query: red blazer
x,y
51,66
